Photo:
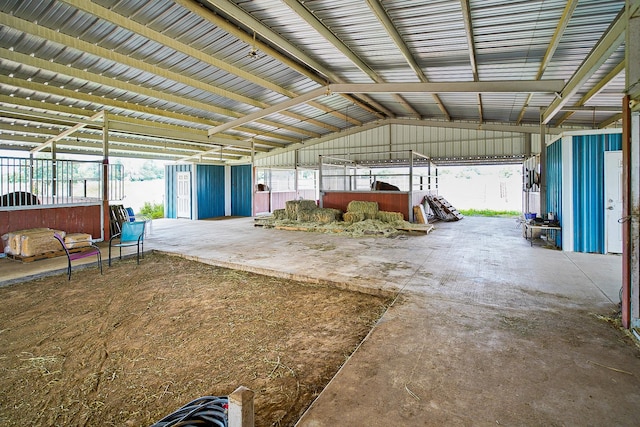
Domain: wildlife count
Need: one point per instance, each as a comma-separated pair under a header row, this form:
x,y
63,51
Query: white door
x,y
613,201
183,209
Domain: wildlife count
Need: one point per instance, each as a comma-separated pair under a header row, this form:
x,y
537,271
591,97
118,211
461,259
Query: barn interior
x,y
486,327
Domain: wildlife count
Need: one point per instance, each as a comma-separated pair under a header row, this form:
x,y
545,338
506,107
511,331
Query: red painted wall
x,y
77,219
392,201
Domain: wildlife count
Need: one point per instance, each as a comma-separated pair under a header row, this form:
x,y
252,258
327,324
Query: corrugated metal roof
x,y
183,65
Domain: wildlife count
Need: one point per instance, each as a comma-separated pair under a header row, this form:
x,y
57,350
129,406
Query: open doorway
x,y
482,187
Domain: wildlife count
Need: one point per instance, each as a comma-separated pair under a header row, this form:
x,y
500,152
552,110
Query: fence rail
x,y
48,182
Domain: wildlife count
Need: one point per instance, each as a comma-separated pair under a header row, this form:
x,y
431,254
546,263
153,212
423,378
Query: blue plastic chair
x,y
88,251
132,216
132,234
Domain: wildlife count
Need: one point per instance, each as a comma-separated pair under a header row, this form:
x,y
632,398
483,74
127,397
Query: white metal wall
x,y
443,145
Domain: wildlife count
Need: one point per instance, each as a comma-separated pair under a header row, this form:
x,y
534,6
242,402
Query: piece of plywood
x,y
420,215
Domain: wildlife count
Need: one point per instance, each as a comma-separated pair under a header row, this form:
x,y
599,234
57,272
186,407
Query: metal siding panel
x,y
554,183
210,191
241,190
171,188
588,202
613,142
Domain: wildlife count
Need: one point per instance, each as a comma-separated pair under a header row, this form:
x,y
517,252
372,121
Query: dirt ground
x,y
133,345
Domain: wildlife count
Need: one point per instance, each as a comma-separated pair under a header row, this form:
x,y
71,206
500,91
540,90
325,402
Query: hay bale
x,y
369,209
320,215
77,240
35,243
326,215
292,207
352,217
305,216
280,214
390,217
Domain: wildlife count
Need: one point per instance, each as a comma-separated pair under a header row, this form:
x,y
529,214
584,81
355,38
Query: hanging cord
x,y
625,219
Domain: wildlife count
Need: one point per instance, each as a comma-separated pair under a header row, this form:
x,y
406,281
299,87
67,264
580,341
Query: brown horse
x,y
383,186
19,198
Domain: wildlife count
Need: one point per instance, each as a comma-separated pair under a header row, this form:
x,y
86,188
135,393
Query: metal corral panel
x,y
554,183
588,197
171,188
210,191
241,190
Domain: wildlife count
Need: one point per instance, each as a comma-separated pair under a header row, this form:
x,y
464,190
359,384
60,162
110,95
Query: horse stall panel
x,y
261,202
279,199
76,219
396,201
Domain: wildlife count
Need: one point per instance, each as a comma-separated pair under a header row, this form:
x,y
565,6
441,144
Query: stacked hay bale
x,y
31,242
368,209
306,211
293,207
360,211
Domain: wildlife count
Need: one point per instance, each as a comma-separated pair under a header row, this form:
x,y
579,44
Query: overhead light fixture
x,y
253,53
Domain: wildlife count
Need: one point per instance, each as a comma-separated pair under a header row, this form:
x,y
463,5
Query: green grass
x,y
153,211
489,212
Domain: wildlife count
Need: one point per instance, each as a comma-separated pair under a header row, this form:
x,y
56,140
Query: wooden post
x,y
241,408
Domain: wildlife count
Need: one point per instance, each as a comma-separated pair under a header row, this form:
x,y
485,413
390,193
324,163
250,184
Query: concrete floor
x,y
485,330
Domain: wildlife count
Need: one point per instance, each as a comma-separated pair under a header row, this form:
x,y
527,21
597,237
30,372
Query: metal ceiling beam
x,y
328,35
314,22
594,90
225,25
239,15
147,32
133,26
497,127
46,117
392,31
80,116
502,86
608,43
271,110
35,62
611,120
109,82
179,135
111,55
22,133
567,13
105,103
495,86
315,141
468,25
65,133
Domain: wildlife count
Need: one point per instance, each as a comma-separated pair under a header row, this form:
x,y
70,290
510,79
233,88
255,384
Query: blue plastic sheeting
x,y
210,191
241,190
554,183
171,188
588,190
